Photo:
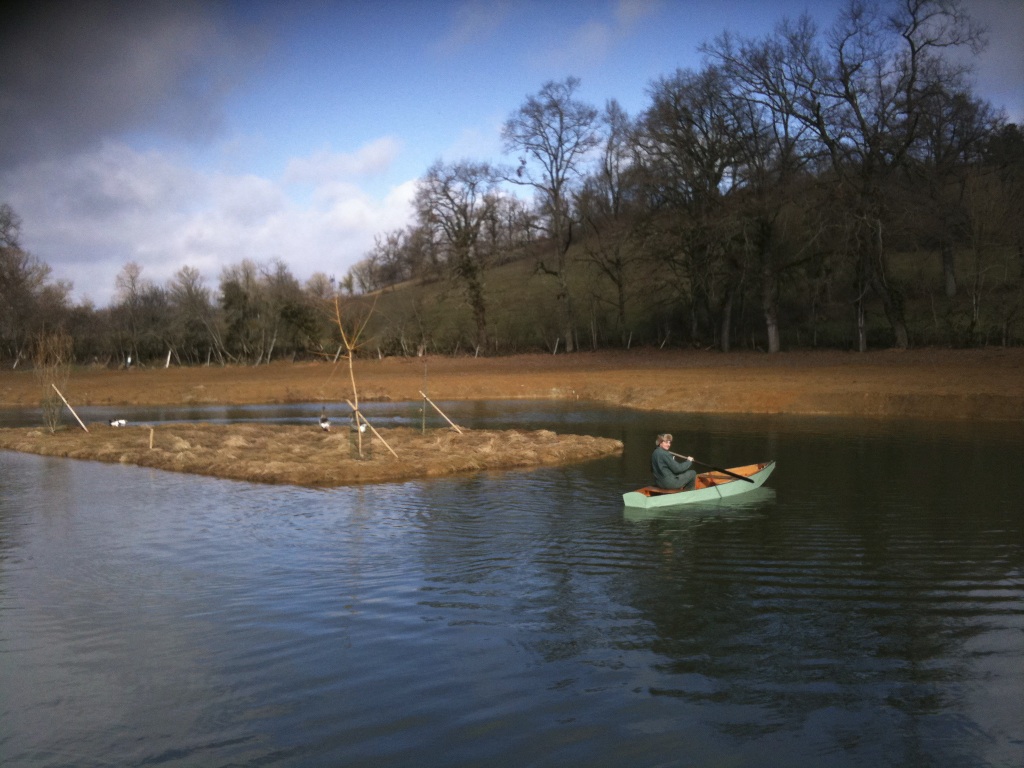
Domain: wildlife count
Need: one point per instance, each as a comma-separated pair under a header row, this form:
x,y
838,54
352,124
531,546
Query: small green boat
x,y
710,486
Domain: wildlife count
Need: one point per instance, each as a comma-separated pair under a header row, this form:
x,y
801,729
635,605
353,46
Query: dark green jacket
x,y
668,471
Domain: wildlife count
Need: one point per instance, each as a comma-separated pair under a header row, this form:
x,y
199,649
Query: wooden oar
x,y
715,469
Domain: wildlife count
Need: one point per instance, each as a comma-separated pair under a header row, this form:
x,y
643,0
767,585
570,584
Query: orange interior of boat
x,y
705,480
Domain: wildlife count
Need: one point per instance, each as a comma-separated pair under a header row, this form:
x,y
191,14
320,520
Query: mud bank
x,y
985,384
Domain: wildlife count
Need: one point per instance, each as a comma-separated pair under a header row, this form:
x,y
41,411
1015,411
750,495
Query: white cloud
x,y
593,41
629,12
246,201
474,23
91,215
477,141
323,166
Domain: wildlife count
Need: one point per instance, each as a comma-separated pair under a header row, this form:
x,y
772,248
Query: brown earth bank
x,y
927,384
306,455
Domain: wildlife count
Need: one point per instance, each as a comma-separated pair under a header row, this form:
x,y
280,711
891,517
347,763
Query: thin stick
x,y
151,438
360,417
69,407
454,425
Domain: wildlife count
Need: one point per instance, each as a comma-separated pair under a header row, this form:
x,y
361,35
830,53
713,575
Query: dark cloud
x,y
72,73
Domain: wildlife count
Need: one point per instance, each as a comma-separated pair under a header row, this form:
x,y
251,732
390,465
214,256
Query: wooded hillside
x,y
841,188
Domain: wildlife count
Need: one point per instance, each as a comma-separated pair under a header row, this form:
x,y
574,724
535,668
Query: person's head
x,y
664,440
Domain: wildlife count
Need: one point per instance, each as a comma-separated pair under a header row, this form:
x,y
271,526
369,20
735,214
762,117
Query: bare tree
x,y
131,289
52,368
242,308
553,133
456,200
509,227
862,93
194,321
397,255
688,143
263,305
364,275
30,302
771,153
351,326
954,130
604,206
993,204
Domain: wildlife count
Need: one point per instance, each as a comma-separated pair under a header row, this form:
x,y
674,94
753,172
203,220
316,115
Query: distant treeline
x,y
843,189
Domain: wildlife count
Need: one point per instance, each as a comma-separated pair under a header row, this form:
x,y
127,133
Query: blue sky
x,y
175,133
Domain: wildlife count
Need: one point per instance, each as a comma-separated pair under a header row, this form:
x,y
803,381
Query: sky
x,y
176,133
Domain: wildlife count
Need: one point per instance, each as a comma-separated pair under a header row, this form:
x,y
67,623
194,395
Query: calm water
x,y
865,610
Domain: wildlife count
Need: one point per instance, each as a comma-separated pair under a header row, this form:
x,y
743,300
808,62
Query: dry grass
x,y
983,384
303,456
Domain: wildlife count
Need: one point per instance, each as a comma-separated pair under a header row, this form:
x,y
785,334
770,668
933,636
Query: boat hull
x,y
711,486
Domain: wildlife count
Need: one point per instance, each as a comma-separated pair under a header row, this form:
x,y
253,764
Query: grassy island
x,y
985,384
298,455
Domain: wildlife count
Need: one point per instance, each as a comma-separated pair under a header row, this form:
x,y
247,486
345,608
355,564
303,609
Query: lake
x,y
865,609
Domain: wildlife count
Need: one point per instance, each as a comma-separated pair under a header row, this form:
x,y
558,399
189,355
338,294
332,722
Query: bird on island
x,y
357,425
118,423
325,423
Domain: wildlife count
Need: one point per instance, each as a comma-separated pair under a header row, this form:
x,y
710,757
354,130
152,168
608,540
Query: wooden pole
x,y
454,425
715,469
360,417
69,407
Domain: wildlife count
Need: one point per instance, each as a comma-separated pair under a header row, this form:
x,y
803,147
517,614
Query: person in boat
x,y
671,472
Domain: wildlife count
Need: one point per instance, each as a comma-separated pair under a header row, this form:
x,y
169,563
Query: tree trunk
x,y
862,335
770,302
892,303
622,311
948,271
565,312
479,307
892,299
725,325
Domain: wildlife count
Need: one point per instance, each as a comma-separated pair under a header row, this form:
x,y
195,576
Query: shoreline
x,y
927,384
985,384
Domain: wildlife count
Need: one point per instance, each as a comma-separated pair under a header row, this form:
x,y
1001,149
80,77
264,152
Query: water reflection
x,y
864,609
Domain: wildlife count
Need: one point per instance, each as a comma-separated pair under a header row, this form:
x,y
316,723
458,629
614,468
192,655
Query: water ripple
x,y
515,618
